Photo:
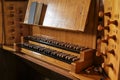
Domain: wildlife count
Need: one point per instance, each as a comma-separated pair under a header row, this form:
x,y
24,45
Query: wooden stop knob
x,y
108,14
98,53
101,14
11,15
104,54
20,11
115,22
11,8
100,28
12,38
99,41
105,41
111,37
11,22
12,30
112,52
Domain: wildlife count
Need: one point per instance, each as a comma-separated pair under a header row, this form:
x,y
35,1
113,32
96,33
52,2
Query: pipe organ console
x,y
62,54
75,31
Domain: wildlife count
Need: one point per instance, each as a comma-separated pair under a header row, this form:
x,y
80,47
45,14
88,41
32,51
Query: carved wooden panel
x,y
14,14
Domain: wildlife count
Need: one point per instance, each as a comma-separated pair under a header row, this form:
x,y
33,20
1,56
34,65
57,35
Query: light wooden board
x,y
66,14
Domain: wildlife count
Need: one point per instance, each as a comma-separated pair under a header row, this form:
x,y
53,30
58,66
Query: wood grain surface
x,y
14,13
112,6
66,14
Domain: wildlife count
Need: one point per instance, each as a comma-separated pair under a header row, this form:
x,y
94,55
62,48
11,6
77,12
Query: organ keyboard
x,y
65,55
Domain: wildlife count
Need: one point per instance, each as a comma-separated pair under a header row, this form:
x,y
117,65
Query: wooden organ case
x,y
65,36
67,29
